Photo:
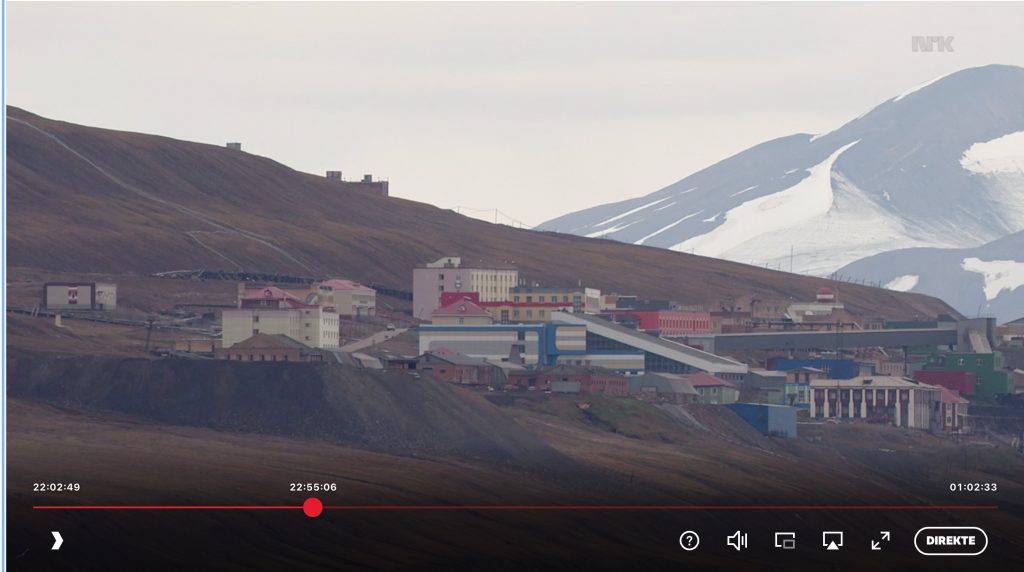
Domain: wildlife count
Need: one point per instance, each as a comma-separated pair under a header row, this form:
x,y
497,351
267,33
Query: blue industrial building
x,y
771,420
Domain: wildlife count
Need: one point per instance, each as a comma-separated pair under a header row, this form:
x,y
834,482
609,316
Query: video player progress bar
x,y
545,507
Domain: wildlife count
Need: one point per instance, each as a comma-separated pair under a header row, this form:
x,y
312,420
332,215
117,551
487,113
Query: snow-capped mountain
x,y
988,279
940,165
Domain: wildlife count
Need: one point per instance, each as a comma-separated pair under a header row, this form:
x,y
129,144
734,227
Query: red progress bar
x,y
523,507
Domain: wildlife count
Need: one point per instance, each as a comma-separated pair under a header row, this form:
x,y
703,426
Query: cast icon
x,y
832,540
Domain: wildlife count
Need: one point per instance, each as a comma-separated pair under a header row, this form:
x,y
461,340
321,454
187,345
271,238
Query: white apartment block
x,y
311,326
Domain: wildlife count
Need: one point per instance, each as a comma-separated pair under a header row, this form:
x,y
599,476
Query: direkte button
x,y
951,541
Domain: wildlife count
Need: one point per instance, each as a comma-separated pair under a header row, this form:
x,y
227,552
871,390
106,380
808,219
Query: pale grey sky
x,y
535,109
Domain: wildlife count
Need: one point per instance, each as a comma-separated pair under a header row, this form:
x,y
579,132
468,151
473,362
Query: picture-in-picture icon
x,y
785,540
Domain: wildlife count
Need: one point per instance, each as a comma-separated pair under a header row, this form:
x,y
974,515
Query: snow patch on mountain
x,y
743,191
627,213
999,274
805,200
920,87
903,283
663,229
606,231
818,225
1001,163
1002,155
664,207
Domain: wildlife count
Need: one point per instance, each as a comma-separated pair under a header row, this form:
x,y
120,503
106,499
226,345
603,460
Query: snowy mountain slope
x,y
939,165
988,279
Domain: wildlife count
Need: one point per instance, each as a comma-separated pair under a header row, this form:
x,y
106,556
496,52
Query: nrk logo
x,y
927,43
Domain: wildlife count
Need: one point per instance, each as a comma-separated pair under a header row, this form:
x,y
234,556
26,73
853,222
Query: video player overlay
x,y
172,465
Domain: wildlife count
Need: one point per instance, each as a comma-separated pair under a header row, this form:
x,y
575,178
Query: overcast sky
x,y
533,109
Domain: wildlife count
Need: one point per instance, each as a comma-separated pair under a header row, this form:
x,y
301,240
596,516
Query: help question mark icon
x,y
689,540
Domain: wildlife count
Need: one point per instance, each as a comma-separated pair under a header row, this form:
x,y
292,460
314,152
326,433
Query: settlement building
x,y
712,390
877,399
450,275
953,415
351,300
461,312
79,296
273,311
670,387
269,347
446,365
570,379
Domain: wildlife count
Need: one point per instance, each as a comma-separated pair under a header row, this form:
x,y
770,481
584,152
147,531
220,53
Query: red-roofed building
x,y
963,382
953,412
712,390
461,312
268,297
456,368
669,322
271,310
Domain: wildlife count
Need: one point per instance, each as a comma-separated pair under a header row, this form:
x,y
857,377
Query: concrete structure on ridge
x,y
79,296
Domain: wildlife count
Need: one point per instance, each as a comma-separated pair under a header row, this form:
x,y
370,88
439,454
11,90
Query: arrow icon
x,y
875,545
59,540
885,535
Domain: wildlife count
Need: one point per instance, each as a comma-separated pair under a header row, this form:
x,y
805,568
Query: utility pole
x,y
149,330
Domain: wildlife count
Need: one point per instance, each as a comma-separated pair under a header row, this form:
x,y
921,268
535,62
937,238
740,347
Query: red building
x,y
671,323
953,415
963,382
447,365
591,379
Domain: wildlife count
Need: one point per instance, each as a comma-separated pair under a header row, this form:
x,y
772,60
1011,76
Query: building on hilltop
x,y
379,188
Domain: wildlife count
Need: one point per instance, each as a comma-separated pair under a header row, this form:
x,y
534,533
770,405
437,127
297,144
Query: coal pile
x,y
383,411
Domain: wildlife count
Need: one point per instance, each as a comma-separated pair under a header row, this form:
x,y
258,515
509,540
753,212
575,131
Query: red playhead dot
x,y
312,507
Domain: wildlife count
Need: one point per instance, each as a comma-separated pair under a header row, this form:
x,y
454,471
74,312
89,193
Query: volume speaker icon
x,y
737,541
